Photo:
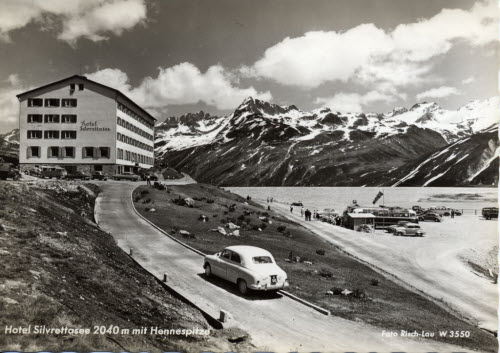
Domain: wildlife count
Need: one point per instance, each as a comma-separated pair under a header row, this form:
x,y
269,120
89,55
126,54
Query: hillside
x,y
9,146
71,274
263,144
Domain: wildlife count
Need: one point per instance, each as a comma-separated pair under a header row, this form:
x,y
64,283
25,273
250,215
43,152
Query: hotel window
x,y
33,152
69,102
53,152
51,118
80,86
52,102
72,87
68,134
88,152
119,136
68,119
35,102
34,134
51,134
35,118
104,152
69,152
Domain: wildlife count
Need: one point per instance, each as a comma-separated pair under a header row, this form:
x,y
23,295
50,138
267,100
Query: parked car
x,y
418,209
77,175
99,176
34,171
490,212
411,229
299,204
53,172
126,176
392,228
8,171
444,211
249,267
430,216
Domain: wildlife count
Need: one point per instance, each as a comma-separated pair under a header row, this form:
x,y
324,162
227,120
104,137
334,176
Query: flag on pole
x,y
379,195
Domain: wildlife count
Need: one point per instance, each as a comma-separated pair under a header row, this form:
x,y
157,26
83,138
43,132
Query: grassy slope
x,y
389,305
59,269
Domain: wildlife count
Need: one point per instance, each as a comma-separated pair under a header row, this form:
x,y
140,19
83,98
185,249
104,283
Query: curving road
x,y
274,323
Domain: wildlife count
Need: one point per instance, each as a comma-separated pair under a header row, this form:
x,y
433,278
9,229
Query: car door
x,y
233,269
220,265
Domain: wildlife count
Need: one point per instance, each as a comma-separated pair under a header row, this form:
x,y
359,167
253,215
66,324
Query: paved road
x,y
431,264
274,323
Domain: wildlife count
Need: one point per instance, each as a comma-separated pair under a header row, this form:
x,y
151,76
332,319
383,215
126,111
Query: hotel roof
x,y
117,92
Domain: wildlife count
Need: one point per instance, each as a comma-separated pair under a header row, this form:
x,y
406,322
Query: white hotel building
x,y
80,124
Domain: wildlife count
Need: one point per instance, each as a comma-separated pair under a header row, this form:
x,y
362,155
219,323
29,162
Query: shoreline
x,y
416,268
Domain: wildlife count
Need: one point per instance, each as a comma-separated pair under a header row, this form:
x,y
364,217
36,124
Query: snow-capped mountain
x,y
9,146
267,144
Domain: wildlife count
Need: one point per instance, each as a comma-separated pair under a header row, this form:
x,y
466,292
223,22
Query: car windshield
x,y
262,260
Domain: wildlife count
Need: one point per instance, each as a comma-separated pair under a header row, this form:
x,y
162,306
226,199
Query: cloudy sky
x,y
178,56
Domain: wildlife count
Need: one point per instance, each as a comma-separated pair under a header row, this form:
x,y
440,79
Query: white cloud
x,y
9,105
182,84
353,102
468,80
401,56
440,92
91,19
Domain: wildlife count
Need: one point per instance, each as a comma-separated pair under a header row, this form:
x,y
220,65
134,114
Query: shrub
x,y
324,272
146,201
210,201
281,228
255,227
144,192
358,293
337,290
320,252
374,282
263,226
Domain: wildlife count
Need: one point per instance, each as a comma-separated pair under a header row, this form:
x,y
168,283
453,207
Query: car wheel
x,y
399,234
421,219
208,271
446,214
436,220
242,286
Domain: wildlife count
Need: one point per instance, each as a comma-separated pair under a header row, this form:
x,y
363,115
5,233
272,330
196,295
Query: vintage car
x,y
126,176
7,170
297,204
443,210
53,172
99,176
247,266
430,216
392,228
77,175
411,229
490,212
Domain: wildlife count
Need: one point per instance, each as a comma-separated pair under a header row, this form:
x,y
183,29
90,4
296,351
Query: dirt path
x,y
432,264
276,323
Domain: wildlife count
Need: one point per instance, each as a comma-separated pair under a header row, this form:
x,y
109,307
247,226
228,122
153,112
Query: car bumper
x,y
269,287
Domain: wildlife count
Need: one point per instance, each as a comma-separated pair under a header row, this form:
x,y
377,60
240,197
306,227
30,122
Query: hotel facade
x,y
82,125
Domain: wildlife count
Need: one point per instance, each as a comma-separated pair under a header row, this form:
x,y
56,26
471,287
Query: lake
x,y
468,199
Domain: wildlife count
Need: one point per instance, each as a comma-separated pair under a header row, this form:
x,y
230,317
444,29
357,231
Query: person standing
x,y
271,200
148,179
302,211
268,200
452,213
291,209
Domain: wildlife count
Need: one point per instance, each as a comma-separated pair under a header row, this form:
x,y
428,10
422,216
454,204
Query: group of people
x,y
270,199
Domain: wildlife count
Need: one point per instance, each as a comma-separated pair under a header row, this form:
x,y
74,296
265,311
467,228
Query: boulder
x,y
329,292
152,209
184,233
221,230
346,292
189,202
308,262
231,225
236,233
